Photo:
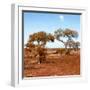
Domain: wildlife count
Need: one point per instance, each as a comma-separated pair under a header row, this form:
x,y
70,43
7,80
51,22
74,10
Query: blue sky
x,y
49,22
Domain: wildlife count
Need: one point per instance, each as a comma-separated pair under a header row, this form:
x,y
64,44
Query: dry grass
x,y
55,64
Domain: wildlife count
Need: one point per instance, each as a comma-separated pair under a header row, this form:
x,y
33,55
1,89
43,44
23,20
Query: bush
x,y
42,54
61,51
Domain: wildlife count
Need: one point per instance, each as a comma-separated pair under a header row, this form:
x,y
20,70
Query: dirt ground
x,y
55,65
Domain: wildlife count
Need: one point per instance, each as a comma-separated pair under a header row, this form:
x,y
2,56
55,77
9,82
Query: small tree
x,y
41,38
77,44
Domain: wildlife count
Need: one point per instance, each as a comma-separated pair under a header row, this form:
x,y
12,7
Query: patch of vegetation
x,y
41,38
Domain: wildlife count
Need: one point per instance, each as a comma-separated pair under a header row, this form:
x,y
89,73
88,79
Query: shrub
x,y
61,51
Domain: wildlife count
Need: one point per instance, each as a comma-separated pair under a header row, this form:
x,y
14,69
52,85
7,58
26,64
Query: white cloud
x,y
61,17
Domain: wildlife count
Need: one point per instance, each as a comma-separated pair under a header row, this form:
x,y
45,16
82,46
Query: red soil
x,y
55,65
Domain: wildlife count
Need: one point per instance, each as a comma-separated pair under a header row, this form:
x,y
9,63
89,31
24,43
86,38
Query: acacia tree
x,y
41,38
69,34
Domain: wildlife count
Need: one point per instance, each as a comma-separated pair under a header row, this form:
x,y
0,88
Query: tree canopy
x,y
70,33
41,38
67,34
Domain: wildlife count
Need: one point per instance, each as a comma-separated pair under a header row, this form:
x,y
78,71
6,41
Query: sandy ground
x,y
54,66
